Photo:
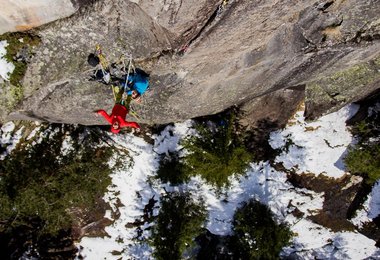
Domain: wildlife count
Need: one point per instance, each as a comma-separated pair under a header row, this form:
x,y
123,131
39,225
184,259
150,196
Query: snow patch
x,y
315,147
169,139
371,207
374,201
67,145
33,133
129,192
262,183
8,140
6,68
316,242
8,127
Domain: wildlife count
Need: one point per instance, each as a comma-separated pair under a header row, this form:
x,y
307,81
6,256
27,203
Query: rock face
x,y
20,15
205,56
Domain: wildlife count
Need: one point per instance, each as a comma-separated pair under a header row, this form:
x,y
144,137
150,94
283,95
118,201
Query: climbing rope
x,y
130,66
134,114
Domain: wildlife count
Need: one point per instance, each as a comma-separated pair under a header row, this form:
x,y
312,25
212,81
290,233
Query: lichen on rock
x,y
342,87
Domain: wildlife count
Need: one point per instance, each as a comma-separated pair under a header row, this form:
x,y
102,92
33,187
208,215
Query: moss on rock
x,y
341,87
18,52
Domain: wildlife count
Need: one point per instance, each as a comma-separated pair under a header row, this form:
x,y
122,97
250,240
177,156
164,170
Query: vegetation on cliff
x,y
364,157
19,51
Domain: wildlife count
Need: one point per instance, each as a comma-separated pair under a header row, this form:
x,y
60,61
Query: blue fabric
x,y
137,82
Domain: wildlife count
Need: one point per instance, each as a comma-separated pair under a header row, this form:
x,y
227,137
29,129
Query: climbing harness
x,y
124,100
104,68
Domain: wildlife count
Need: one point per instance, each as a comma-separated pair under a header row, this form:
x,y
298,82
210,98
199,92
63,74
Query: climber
x,y
119,112
136,84
117,118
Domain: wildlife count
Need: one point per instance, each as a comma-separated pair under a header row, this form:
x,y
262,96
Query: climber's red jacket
x,y
119,113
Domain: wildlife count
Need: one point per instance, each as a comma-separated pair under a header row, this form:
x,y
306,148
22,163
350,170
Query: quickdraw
x,y
103,60
222,6
103,64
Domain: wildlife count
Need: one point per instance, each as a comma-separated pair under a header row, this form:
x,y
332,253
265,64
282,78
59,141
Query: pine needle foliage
x,y
364,158
171,169
255,233
216,153
40,184
180,220
365,161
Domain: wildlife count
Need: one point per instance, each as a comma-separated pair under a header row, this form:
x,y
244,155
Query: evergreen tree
x,y
39,184
171,169
180,220
216,152
255,233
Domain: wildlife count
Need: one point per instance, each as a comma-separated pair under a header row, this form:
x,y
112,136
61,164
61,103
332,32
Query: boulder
x,y
19,15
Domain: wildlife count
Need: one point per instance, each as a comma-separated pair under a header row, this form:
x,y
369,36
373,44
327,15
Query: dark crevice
x,y
323,6
118,23
153,57
301,87
324,38
361,36
364,34
210,20
79,3
332,96
310,47
358,200
187,32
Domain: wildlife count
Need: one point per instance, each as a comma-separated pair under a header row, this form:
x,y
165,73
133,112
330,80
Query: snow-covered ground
x,y
6,68
315,147
371,207
326,139
133,186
